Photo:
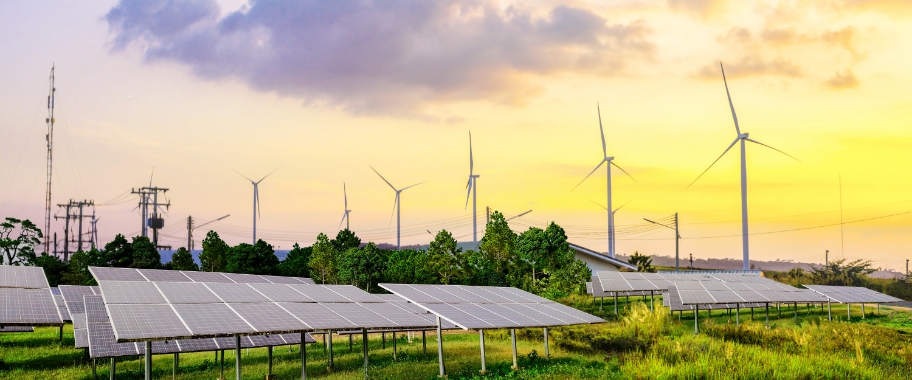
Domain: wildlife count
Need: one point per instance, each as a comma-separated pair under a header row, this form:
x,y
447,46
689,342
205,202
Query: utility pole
x,y
691,261
148,196
72,214
826,259
189,234
66,229
50,161
488,211
677,240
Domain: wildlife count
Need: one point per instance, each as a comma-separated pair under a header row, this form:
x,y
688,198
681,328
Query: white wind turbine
x,y
742,138
397,205
612,232
472,190
256,199
609,161
345,217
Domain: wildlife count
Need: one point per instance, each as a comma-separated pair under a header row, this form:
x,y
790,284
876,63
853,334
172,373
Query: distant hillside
x,y
735,264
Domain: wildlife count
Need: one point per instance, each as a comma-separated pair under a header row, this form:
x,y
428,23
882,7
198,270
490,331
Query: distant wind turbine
x,y
612,232
256,199
609,161
345,217
397,205
472,190
741,137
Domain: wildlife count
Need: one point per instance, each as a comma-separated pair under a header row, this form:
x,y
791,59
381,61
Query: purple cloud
x,y
391,57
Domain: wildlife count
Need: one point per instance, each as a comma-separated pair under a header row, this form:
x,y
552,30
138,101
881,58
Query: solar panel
x,y
80,332
465,294
163,275
13,276
12,329
207,277
410,293
306,281
458,317
280,293
281,280
130,292
485,315
395,313
72,296
267,317
116,274
318,293
135,322
212,319
317,316
546,317
61,305
489,294
237,293
241,278
851,294
354,294
31,307
359,315
186,292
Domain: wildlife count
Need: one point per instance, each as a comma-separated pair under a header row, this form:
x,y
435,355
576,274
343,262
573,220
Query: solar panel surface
x,y
852,294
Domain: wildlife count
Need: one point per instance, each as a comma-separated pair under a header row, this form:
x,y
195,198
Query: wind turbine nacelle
x,y
743,135
155,223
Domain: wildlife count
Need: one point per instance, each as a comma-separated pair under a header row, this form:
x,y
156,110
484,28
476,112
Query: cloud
x,y
390,57
752,65
702,8
843,80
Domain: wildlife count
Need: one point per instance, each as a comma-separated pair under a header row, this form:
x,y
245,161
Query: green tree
x,y
214,257
499,240
78,268
252,259
144,254
118,253
443,257
842,273
345,240
53,266
18,239
642,262
796,273
409,266
323,260
362,267
183,260
546,252
297,263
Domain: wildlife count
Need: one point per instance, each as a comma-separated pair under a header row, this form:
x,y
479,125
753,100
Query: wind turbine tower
x,y
397,205
743,139
256,199
609,161
472,188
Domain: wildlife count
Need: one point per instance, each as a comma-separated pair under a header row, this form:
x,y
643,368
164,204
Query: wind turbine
x,y
473,190
609,161
612,232
345,215
397,205
256,199
742,138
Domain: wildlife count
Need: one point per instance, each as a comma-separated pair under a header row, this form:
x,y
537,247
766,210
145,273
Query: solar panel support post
x,y
383,339
269,359
350,342
329,343
767,315
696,319
737,315
176,363
148,360
424,341
237,357
394,346
60,333
222,367
849,311
484,368
862,311
547,349
513,343
364,344
113,368
652,301
303,356
94,373
440,350
829,311
615,304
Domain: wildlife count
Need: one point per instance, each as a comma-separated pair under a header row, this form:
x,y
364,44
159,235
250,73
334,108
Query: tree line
x,y
537,260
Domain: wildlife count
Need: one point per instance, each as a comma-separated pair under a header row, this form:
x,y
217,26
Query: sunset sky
x,y
197,89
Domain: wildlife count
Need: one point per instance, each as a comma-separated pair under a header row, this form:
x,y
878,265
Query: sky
x,y
190,93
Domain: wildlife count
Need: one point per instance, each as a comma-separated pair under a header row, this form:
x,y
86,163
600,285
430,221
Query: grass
x,y
638,345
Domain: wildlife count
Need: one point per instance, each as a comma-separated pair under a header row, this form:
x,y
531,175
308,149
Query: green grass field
x,y
638,345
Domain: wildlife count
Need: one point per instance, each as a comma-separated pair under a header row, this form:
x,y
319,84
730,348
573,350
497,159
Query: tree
x,y
78,269
18,239
53,266
362,267
796,273
252,259
499,240
546,252
297,263
118,253
443,257
323,259
215,253
345,240
144,254
841,273
642,262
183,260
409,266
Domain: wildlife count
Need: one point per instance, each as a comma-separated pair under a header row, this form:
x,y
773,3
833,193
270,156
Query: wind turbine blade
x,y
343,219
625,172
587,176
403,189
468,194
598,204
730,104
239,173
151,175
625,203
345,194
469,183
471,160
602,131
384,179
270,173
395,201
714,162
757,142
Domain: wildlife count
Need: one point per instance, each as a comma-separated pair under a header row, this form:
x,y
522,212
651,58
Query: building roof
x,y
602,257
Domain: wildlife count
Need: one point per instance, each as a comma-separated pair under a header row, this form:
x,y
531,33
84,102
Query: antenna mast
x,y
50,160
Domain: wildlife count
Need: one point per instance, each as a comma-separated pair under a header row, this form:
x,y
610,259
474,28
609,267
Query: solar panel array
x,y
155,310
99,337
159,275
26,297
852,294
673,301
717,292
641,282
489,307
598,292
